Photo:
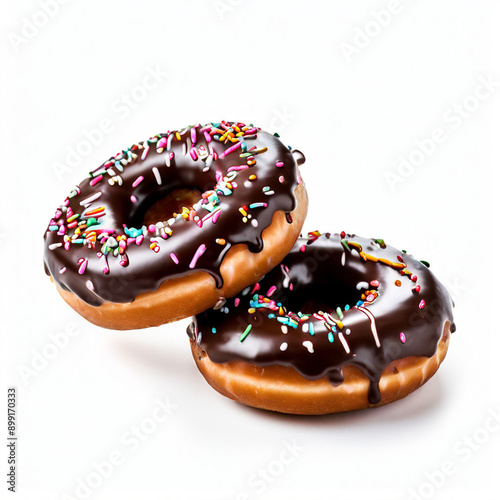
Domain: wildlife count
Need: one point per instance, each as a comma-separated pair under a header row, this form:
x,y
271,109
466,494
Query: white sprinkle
x,y
245,291
90,285
373,323
344,343
284,346
157,175
62,270
254,223
269,193
348,331
305,327
284,329
362,285
54,246
308,345
90,199
342,259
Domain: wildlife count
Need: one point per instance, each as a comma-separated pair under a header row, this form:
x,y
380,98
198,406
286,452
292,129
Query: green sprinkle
x,y
344,242
339,313
425,263
381,242
245,333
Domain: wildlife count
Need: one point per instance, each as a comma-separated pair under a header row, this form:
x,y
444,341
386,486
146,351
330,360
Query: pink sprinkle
x,y
374,283
281,179
230,150
255,288
193,154
145,152
139,239
279,164
133,198
83,266
95,180
370,298
174,258
138,181
207,136
236,302
237,167
422,304
62,270
90,285
161,143
271,291
291,286
106,267
215,218
152,228
402,337
303,248
197,255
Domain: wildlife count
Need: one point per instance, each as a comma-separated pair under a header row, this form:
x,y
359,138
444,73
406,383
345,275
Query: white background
x,y
354,105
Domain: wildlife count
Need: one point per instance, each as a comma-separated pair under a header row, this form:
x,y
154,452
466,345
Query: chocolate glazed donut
x,y
337,306
100,250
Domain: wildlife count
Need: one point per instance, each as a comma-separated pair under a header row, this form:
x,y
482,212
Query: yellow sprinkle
x,y
243,212
178,136
252,177
251,310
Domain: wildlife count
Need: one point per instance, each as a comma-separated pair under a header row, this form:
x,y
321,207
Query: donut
x,y
343,323
173,225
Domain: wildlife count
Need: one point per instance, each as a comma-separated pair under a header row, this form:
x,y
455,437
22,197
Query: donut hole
x,y
171,204
310,300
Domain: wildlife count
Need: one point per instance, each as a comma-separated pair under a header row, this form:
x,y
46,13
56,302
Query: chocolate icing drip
x,y
395,308
258,169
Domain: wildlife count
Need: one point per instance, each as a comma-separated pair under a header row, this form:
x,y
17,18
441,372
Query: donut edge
x,y
179,298
282,389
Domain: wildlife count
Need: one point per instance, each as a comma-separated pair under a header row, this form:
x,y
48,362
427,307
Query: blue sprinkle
x,y
214,330
330,337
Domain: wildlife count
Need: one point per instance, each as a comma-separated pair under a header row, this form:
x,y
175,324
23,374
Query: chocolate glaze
x,y
185,159
322,273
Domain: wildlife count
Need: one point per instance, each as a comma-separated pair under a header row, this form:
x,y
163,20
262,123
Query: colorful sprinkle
x,y
197,255
245,333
